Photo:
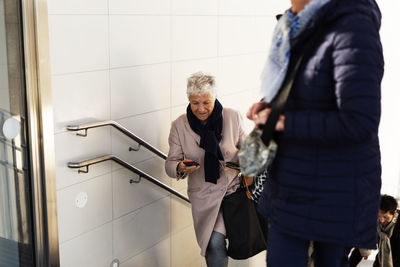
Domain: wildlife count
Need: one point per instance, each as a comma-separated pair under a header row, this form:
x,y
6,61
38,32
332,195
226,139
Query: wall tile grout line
x,y
161,63
164,15
111,133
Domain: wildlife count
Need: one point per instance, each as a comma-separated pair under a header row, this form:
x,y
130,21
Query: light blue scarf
x,y
289,27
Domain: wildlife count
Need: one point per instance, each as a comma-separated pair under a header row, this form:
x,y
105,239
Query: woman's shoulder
x,y
345,13
230,112
180,120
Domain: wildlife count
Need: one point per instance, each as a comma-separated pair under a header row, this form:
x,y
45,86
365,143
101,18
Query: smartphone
x,y
190,163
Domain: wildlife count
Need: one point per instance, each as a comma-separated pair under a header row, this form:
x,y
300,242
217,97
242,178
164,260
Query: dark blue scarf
x,y
210,136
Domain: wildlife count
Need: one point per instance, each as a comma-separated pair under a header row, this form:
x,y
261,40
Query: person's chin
x,y
203,117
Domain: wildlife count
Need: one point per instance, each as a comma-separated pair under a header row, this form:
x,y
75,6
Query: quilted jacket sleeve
x,y
357,70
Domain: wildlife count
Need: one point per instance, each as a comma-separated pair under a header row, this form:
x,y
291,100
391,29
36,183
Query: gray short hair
x,y
199,84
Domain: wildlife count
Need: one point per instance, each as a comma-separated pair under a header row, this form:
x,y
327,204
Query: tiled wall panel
x,y
156,256
92,249
194,37
141,229
75,220
191,256
150,7
236,35
153,83
236,7
240,73
77,7
78,43
80,98
139,40
253,7
194,7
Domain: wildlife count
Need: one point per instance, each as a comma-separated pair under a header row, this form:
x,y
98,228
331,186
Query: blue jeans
x,y
287,251
216,254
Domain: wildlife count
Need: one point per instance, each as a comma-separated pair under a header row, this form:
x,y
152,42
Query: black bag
x,y
255,185
245,228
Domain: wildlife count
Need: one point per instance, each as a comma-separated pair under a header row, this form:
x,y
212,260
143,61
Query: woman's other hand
x,y
182,168
280,125
259,113
255,109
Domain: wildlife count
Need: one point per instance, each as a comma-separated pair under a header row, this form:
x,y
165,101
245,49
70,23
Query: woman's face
x,y
298,5
202,106
385,217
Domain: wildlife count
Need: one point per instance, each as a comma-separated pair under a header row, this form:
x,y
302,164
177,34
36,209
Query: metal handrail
x,y
86,163
85,127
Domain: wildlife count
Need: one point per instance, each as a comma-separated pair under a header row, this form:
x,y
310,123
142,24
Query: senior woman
x,y
325,181
209,135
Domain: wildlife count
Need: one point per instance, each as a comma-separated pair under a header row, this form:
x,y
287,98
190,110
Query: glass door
x,y
16,223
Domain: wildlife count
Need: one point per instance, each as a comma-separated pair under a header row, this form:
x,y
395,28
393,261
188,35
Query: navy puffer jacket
x,y
325,181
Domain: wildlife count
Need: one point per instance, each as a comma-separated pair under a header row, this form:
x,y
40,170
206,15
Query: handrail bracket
x,y
131,181
83,134
84,169
135,148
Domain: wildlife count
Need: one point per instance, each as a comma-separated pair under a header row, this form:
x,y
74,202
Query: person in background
x,y
389,237
325,181
389,234
210,136
357,254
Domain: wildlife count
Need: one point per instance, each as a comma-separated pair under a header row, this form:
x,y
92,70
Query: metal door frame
x,y
40,131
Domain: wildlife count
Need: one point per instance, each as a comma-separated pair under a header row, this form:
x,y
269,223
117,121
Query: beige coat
x,y
206,197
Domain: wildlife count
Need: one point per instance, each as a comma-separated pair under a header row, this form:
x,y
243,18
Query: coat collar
x,y
195,135
191,132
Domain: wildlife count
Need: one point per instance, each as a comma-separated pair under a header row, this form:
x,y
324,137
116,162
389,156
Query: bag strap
x,y
246,182
279,101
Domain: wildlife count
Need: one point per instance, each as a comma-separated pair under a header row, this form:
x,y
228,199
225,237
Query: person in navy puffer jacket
x,y
325,181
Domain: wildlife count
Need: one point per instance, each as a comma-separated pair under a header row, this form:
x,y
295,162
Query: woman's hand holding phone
x,y
190,163
188,166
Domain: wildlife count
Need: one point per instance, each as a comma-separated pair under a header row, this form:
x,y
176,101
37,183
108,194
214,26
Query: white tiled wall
x,y
81,98
389,129
97,212
92,249
194,37
128,60
153,83
79,43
